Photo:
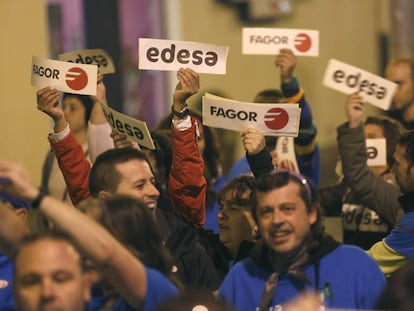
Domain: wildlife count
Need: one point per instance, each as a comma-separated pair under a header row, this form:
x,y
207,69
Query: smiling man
x,y
295,255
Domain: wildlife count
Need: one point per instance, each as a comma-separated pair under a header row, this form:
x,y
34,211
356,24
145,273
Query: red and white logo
x,y
276,118
303,42
76,78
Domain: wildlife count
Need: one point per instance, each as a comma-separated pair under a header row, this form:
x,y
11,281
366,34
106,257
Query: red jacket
x,y
187,185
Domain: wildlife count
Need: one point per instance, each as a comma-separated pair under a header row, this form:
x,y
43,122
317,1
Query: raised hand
x,y
188,85
253,140
355,110
286,61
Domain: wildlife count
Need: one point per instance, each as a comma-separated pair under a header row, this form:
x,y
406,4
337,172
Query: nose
x,y
277,217
48,291
221,214
152,191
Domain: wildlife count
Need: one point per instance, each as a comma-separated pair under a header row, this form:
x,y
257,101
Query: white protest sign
x,y
273,119
376,151
91,56
286,157
134,129
169,55
349,79
64,76
268,41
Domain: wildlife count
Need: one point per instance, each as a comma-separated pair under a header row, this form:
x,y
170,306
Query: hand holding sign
x,y
48,103
188,85
355,110
286,61
253,140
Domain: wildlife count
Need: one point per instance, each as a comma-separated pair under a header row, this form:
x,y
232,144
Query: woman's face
x,y
74,112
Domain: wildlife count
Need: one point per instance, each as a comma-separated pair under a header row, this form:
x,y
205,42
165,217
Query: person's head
x,y
195,300
124,171
19,206
235,219
48,274
401,72
286,212
403,167
269,96
77,110
130,221
383,127
398,294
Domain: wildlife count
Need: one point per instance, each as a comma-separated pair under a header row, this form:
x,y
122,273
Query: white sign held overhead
x,y
169,55
349,79
134,129
268,41
376,151
273,119
91,56
64,76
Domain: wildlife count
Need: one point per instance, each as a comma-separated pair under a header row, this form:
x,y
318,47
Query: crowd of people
x,y
122,227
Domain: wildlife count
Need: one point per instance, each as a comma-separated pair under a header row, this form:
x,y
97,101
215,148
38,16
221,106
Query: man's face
x,y
236,224
138,181
401,74
283,219
49,277
404,174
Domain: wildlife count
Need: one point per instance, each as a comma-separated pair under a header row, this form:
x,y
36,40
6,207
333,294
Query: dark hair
x,y
130,221
392,131
86,101
407,140
278,179
236,188
163,149
50,234
398,294
104,175
269,96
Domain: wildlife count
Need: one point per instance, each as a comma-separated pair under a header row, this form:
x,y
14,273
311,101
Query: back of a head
x,y
195,300
269,96
104,176
398,295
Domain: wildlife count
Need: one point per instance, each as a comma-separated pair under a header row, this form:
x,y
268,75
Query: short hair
x,y
407,140
269,96
86,101
49,234
406,61
104,175
392,132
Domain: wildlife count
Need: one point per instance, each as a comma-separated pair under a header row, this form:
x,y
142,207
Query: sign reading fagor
x,y
168,55
273,119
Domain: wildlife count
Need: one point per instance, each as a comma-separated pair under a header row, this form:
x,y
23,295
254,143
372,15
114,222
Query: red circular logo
x,y
276,118
76,78
303,42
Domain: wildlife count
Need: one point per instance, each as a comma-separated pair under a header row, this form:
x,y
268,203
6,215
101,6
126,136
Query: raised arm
x,y
372,190
306,147
187,185
118,265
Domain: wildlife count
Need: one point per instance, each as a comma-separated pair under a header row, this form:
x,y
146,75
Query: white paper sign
x,y
268,41
64,76
286,157
91,56
349,79
169,55
376,151
273,119
134,129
